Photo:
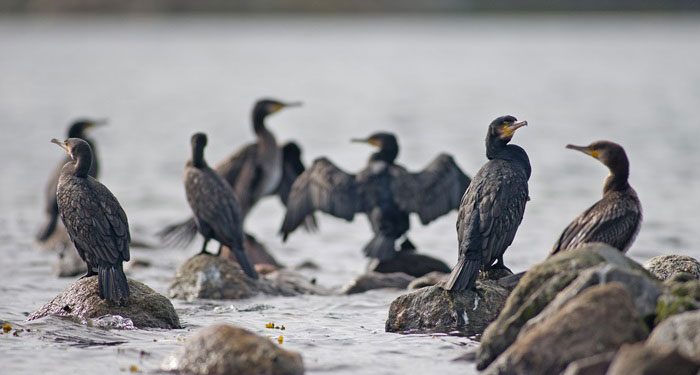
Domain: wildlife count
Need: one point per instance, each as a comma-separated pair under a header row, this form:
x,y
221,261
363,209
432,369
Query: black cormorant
x,y
77,130
214,205
492,207
96,223
384,191
258,169
617,217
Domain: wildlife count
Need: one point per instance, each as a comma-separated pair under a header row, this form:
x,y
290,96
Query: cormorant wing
x,y
610,221
97,225
432,192
293,167
323,187
241,171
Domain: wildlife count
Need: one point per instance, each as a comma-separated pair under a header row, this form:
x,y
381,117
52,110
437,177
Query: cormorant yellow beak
x,y
585,149
98,122
278,106
61,144
509,129
370,141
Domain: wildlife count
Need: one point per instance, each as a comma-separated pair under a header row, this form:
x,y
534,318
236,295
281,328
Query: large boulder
x,y
539,286
376,280
678,297
145,308
666,267
434,309
224,349
410,263
207,276
567,335
680,332
640,359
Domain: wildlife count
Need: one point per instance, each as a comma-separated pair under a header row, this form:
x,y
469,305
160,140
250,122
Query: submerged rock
x,y
640,359
680,332
665,267
539,286
433,278
567,335
145,308
410,263
434,309
375,280
225,349
211,277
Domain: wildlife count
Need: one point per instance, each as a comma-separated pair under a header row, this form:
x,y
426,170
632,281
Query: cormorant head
x,y
608,153
74,147
79,127
387,144
503,128
198,142
264,107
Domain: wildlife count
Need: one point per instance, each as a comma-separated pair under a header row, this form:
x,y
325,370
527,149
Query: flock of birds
x,y
491,205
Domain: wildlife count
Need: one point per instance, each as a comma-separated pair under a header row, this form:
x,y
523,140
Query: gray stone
x,y
145,308
598,320
666,267
680,332
376,280
434,309
225,349
410,263
640,359
595,365
433,278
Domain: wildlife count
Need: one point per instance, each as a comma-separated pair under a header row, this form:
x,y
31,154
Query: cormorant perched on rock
x,y
95,221
258,169
214,205
77,130
493,205
617,217
384,191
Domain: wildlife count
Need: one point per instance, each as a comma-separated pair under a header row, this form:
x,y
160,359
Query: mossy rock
x,y
678,297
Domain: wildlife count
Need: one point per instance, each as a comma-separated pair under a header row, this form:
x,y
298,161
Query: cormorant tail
x,y
245,264
464,274
381,247
48,228
179,234
112,284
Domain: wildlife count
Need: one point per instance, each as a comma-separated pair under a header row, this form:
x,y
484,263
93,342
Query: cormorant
x,y
385,191
492,207
77,130
258,169
617,217
214,205
96,223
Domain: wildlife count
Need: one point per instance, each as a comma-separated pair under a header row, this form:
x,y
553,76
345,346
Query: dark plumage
x,y
214,205
96,223
617,217
258,169
77,130
493,205
384,191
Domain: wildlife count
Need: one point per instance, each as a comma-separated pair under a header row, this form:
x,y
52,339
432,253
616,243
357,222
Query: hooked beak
x,y
99,122
370,141
509,130
585,149
61,144
292,104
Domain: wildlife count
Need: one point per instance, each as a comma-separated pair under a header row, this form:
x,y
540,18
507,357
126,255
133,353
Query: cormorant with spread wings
x,y
385,191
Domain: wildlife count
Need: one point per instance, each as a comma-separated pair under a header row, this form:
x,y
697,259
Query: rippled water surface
x,y
436,82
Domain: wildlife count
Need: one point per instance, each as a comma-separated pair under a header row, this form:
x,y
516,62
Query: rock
x,y
434,309
375,280
595,365
206,276
410,263
678,297
568,334
665,267
224,349
640,359
145,308
680,332
429,279
538,287
68,262
256,252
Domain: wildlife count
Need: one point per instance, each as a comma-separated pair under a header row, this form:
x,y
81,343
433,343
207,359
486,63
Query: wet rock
x,y
434,309
375,280
256,252
145,308
680,332
538,287
568,336
640,359
225,349
430,279
595,365
678,297
665,267
207,276
68,262
410,263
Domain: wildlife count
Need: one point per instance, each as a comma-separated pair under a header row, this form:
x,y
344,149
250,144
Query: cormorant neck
x,y
494,146
82,162
198,157
618,180
386,154
259,121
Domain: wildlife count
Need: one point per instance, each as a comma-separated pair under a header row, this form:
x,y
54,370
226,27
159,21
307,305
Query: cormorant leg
x,y
500,265
407,245
218,253
204,246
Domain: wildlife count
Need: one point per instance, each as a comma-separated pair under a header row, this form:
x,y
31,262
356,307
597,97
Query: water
x,y
436,82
